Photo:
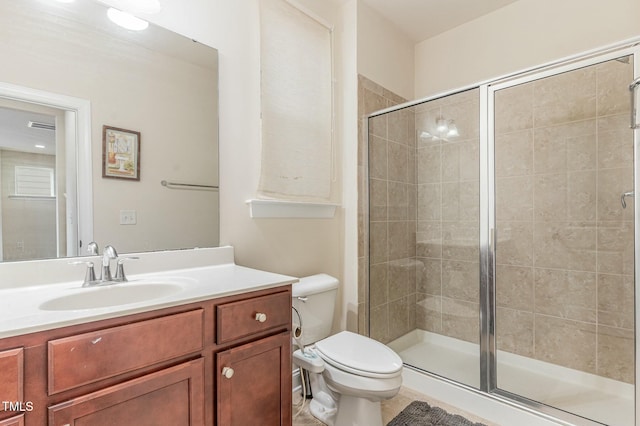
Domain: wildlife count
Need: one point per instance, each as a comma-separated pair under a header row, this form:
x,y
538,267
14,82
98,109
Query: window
x,y
297,98
34,181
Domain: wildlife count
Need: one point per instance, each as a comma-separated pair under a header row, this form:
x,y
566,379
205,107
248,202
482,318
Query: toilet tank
x,y
314,298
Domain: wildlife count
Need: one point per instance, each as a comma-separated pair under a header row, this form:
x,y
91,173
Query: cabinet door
x,y
170,397
254,383
11,376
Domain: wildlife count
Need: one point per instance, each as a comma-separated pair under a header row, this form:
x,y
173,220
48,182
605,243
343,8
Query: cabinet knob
x,y
227,372
261,317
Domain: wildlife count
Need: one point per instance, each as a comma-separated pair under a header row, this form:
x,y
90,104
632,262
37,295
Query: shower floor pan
x,y
594,397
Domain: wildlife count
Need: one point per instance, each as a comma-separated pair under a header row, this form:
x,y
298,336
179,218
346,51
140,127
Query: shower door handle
x,y
632,88
623,196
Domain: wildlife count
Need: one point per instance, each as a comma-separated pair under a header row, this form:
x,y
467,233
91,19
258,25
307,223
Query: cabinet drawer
x,y
240,319
170,397
11,376
94,356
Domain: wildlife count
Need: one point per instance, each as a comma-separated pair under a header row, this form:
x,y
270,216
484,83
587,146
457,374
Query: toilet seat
x,y
359,355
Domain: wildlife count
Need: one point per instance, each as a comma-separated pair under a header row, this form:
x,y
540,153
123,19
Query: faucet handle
x,y
90,275
120,276
92,248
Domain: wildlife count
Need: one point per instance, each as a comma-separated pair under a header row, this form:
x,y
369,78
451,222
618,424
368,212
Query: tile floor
x,y
390,409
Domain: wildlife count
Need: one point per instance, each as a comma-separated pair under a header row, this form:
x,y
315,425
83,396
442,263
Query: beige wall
x,y
385,53
525,34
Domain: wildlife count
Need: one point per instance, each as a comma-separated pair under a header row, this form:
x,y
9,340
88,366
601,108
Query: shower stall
x,y
501,229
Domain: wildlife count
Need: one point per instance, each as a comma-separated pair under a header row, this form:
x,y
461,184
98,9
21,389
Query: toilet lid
x,y
359,353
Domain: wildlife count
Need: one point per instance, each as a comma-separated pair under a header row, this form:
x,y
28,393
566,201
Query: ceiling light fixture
x,y
126,20
40,146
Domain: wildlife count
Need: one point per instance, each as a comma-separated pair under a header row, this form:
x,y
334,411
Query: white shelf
x,y
290,209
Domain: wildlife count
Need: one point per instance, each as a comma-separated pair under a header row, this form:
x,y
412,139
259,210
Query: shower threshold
x,y
588,395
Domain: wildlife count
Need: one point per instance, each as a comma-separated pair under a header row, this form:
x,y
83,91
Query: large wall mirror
x,y
67,72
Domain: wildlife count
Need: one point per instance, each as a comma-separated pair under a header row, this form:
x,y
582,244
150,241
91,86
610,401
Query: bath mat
x,y
419,413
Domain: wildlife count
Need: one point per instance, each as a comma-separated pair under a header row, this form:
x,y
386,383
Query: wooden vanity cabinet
x,y
158,368
253,380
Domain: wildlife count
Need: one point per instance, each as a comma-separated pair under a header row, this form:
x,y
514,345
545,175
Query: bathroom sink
x,y
112,295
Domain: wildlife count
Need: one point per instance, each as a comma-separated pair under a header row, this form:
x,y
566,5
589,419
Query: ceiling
x,y
423,19
16,135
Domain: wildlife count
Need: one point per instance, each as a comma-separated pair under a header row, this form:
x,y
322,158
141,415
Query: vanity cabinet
x,y
224,361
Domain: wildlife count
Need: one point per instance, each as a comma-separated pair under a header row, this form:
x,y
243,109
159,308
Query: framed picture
x,y
120,153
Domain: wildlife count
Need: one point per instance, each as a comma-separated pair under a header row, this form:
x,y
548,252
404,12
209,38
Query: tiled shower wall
x,y
564,244
564,155
392,215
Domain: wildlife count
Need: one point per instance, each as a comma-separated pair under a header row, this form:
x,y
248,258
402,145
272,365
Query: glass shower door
x,y
564,241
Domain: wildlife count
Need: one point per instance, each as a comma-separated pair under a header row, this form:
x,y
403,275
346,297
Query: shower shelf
x,y
259,209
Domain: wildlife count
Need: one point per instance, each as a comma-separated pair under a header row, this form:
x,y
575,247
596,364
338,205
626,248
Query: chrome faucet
x,y
107,254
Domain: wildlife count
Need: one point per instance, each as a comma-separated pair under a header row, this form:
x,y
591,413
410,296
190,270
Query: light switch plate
x,y
128,217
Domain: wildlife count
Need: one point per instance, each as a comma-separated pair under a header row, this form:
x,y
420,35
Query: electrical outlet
x,y
128,217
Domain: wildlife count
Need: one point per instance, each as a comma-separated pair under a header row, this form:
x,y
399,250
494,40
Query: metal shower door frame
x,y
488,311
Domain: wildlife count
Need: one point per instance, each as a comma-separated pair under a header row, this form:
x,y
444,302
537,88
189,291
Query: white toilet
x,y
349,373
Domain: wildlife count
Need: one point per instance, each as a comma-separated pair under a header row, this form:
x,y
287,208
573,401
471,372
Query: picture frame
x,y
120,153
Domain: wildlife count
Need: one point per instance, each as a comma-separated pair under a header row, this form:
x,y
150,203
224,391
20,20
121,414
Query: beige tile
x,y
402,278
377,125
514,153
616,354
565,245
566,294
514,243
460,241
581,196
551,192
514,198
566,97
428,165
430,201
400,316
616,300
451,162
465,113
514,331
470,160
378,200
401,240
398,208
615,142
397,162
613,81
379,323
615,248
377,158
378,243
566,147
363,279
514,287
514,109
430,279
429,239
400,127
461,201
460,280
611,184
379,284
565,342
429,313
460,319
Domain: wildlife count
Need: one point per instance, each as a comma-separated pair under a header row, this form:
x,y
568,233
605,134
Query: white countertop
x,y
21,312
